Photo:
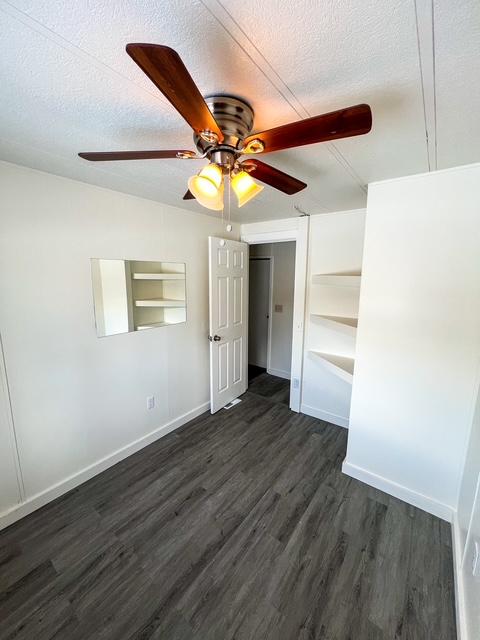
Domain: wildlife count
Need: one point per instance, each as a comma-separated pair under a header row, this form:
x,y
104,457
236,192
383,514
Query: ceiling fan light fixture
x,y
222,126
209,136
245,187
207,187
254,146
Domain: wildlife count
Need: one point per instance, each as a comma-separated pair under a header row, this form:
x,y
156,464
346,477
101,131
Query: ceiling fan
x,y
222,128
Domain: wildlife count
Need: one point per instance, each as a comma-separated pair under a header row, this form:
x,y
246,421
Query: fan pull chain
x,y
229,198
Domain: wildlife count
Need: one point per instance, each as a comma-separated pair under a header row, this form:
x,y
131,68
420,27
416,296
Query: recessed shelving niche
x,y
158,294
332,306
152,325
335,301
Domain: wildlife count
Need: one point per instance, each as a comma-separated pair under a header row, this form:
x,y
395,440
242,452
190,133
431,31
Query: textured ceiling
x,y
67,85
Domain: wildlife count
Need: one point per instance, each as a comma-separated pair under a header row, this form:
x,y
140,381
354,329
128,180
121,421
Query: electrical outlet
x,y
150,402
476,559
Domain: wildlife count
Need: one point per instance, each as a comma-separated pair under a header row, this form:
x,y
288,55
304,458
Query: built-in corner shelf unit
x,y
160,302
158,294
158,276
351,322
342,366
337,279
334,279
335,296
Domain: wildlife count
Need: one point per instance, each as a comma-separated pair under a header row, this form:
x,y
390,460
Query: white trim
x,y
288,230
280,373
299,299
40,499
340,421
430,505
463,167
270,311
462,630
283,230
266,238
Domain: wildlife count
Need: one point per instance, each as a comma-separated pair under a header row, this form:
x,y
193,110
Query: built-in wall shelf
x,y
153,325
160,303
158,276
337,280
342,365
350,321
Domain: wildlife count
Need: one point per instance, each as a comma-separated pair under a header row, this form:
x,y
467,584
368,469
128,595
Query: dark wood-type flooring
x,y
237,526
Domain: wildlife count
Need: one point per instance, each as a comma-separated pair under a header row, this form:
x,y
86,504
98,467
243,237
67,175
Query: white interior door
x,y
228,268
258,311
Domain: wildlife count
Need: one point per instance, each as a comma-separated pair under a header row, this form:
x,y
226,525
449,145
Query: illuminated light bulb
x,y
245,187
207,187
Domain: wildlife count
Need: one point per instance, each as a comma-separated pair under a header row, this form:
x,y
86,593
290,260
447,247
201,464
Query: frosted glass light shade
x,y
245,187
207,187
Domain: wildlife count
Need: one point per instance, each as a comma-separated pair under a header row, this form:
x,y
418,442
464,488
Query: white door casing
x,y
286,230
228,285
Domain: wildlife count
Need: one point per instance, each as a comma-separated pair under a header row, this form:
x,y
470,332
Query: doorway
x,y
260,273
271,305
228,307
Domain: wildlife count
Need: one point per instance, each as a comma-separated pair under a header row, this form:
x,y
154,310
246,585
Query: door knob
x,y
214,338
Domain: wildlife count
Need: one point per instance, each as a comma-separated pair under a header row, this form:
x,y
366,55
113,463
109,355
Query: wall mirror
x,y
133,295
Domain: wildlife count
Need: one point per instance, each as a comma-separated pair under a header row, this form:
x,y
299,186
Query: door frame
x,y
289,230
270,305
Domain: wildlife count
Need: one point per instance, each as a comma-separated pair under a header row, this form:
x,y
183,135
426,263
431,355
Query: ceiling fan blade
x,y
166,70
273,177
353,121
97,156
189,196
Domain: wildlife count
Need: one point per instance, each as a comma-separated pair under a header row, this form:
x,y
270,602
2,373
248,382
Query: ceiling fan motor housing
x,y
235,118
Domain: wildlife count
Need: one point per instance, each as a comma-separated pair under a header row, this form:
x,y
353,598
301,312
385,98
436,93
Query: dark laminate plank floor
x,y
237,526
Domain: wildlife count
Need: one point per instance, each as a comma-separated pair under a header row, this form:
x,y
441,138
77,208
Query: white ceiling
x,y
67,85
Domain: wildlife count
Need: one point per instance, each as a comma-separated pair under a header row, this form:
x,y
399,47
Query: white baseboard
x,y
40,499
430,505
279,373
462,631
340,421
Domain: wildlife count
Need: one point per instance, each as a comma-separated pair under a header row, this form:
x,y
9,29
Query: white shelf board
x,y
341,365
153,325
160,302
337,280
348,320
158,276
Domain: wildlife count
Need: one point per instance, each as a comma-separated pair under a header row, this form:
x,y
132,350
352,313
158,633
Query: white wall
x,y
283,285
335,246
468,532
470,478
418,342
77,399
10,483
